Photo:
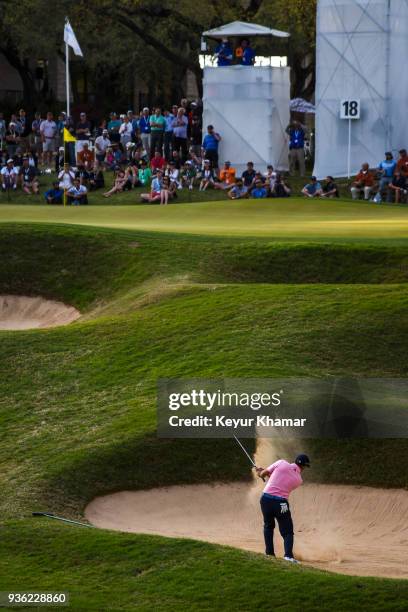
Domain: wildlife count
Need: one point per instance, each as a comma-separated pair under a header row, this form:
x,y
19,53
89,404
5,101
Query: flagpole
x,y
67,76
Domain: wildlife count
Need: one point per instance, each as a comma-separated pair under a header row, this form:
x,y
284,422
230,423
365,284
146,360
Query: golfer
x,y
283,478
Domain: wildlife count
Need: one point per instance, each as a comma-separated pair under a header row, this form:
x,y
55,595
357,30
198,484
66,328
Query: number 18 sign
x,y
350,109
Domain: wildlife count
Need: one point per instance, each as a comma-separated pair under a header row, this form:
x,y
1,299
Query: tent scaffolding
x,y
360,44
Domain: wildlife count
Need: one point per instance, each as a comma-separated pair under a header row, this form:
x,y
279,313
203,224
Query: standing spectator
x,y
11,139
60,129
48,131
210,145
9,176
245,53
363,184
145,130
296,133
158,162
168,133
157,126
82,133
2,130
35,137
223,53
402,161
226,178
54,195
77,194
135,124
28,177
312,189
207,176
196,134
59,159
125,131
86,157
397,189
113,128
23,128
180,125
248,176
101,144
330,189
387,169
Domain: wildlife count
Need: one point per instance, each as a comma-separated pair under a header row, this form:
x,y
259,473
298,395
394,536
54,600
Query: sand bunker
x,y
352,530
18,312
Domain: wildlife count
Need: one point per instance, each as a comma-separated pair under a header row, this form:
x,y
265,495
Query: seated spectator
x,y
77,194
207,176
270,177
158,162
9,176
397,189
363,184
96,180
402,162
28,177
165,191
330,189
118,185
155,191
226,177
259,191
175,157
83,176
248,176
110,162
132,174
86,157
312,189
223,53
387,169
173,174
280,188
187,175
66,177
144,173
238,191
54,195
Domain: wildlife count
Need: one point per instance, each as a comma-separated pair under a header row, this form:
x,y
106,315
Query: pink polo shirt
x,y
284,478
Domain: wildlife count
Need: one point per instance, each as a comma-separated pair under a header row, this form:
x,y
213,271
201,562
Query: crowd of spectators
x,y
161,152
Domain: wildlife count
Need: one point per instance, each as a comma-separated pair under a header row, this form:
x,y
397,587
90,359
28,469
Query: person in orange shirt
x,y
226,178
364,183
402,163
86,157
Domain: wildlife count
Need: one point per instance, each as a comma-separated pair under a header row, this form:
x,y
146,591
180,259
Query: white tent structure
x,y
248,105
360,49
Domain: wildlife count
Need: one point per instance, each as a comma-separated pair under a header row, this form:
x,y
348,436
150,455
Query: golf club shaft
x,y
247,454
60,518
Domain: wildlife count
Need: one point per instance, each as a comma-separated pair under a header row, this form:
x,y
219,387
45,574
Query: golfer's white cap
x,y
146,108
10,161
61,149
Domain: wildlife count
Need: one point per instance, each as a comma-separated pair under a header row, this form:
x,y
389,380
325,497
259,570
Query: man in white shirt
x,y
101,144
66,178
77,194
125,131
48,131
9,175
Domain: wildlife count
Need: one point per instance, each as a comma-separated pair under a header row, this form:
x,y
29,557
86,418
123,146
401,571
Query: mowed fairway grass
x,y
77,404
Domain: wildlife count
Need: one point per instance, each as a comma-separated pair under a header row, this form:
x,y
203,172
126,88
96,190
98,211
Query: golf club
x,y
247,454
60,518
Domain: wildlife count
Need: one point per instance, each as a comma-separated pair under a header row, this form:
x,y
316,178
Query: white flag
x,y
70,39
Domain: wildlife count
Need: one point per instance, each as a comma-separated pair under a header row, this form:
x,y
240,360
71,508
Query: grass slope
x,y
77,404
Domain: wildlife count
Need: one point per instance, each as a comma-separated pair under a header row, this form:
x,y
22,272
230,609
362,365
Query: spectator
x,y
23,128
66,177
28,177
207,176
223,52
196,134
296,133
175,157
387,169
188,175
158,162
110,162
11,139
238,191
245,53
96,180
82,133
226,178
101,144
180,125
402,161
363,184
48,131
35,137
125,131
259,191
397,189
157,125
174,176
59,159
155,191
2,129
330,189
77,194
144,173
280,188
9,176
113,128
86,157
270,177
132,175
312,189
210,146
119,184
168,133
165,189
54,195
145,130
248,176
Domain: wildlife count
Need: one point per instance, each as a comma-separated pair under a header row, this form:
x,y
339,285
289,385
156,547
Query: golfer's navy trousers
x,y
277,508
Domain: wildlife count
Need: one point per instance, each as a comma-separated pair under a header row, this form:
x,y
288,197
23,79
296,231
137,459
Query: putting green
x,y
295,218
